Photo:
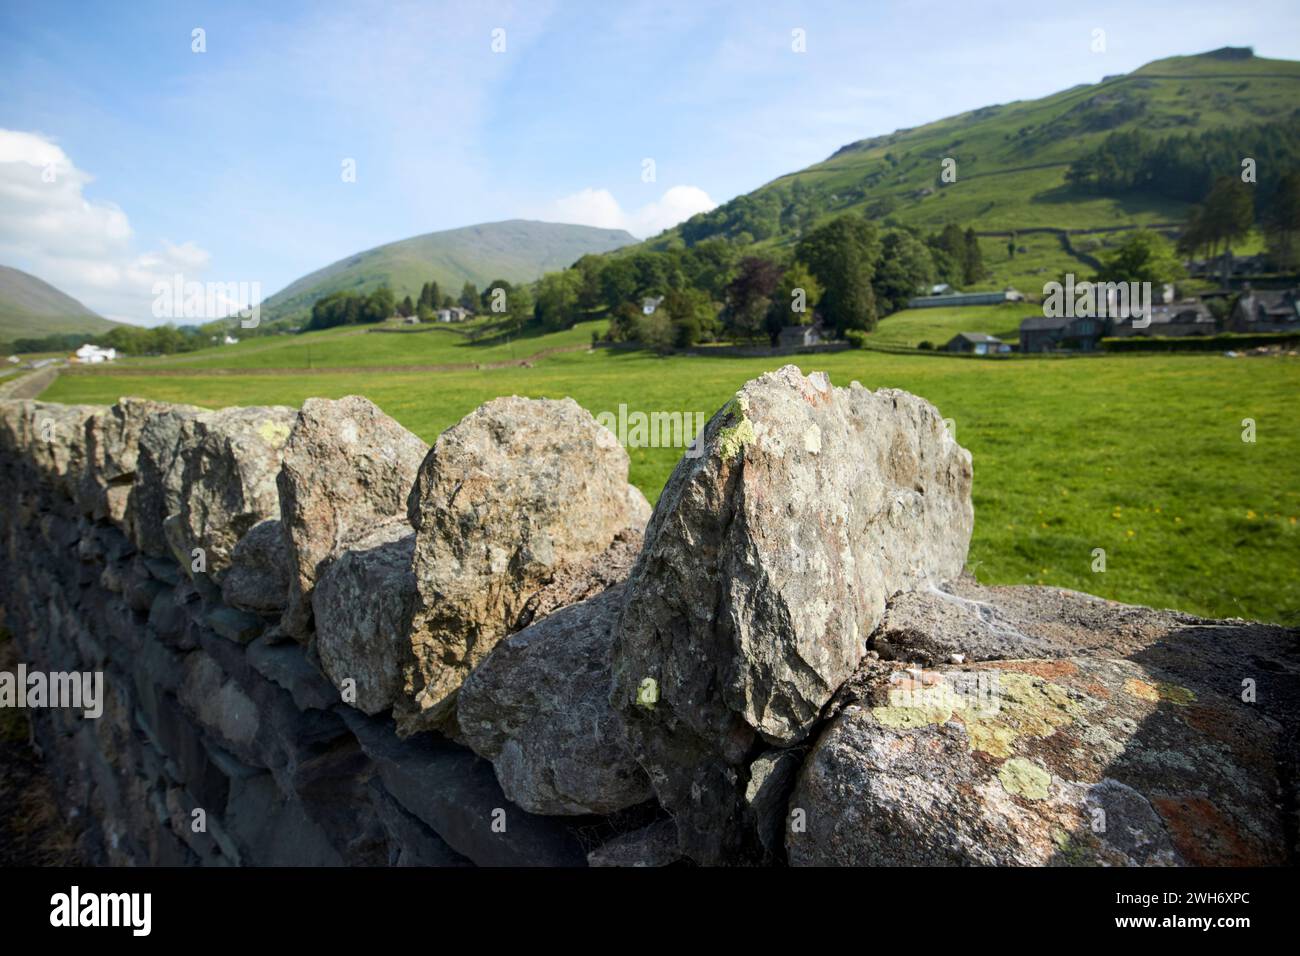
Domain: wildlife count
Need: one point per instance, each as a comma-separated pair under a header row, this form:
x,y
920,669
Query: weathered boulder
x,y
964,621
112,453
653,845
518,493
1181,752
538,708
360,602
766,566
346,466
231,458
160,466
258,577
53,437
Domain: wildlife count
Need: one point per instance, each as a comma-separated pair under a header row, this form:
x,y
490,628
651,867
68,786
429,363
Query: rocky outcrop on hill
x,y
333,646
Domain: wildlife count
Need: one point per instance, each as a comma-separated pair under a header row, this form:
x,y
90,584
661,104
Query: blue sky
x,y
226,164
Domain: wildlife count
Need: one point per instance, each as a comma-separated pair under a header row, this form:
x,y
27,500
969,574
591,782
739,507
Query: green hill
x,y
1011,164
516,250
30,308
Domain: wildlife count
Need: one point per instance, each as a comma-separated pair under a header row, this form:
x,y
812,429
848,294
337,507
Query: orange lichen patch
x,y
1205,836
1044,669
1097,690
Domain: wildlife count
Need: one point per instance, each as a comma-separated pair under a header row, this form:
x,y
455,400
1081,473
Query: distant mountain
x,y
1010,160
516,250
31,308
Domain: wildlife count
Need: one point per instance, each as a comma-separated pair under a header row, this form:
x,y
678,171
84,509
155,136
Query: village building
x,y
1052,333
976,343
799,336
650,303
1259,311
93,355
454,313
1188,317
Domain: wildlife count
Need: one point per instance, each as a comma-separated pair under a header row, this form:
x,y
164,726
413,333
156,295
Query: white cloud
x,y
81,246
598,207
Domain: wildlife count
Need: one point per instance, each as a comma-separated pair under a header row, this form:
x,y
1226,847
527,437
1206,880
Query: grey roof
x,y
977,337
1042,323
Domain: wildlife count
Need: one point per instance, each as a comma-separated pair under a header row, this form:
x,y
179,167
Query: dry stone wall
x,y
323,643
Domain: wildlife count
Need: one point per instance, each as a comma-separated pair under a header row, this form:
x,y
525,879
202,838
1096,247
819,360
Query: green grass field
x,y
911,327
1140,455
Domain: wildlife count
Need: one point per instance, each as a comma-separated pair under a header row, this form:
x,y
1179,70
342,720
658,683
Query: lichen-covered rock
x,y
360,604
160,467
538,708
346,467
766,566
53,437
258,577
231,458
1168,757
935,624
112,454
517,493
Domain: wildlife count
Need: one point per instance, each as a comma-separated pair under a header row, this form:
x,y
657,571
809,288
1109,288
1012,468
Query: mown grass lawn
x,y
1139,455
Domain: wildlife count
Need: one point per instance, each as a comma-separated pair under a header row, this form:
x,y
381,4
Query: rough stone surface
x,y
258,577
509,498
538,708
980,623
360,603
1153,758
231,458
651,846
347,465
112,454
766,565
160,466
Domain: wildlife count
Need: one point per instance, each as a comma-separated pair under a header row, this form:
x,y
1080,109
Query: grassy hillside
x,y
1011,161
1069,455
516,250
31,308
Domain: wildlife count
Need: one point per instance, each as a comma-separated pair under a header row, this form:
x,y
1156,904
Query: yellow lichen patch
x,y
910,718
1024,778
275,433
732,441
1026,707
1175,694
1142,690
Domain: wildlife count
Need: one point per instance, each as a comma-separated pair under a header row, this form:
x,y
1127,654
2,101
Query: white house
x,y
454,314
650,304
93,354
230,340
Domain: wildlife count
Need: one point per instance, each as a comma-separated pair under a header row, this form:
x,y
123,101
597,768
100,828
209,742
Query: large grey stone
x,y
538,708
512,496
347,466
231,458
160,465
766,566
360,601
258,577
112,453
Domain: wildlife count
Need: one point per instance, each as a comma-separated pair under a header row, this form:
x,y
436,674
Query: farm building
x,y
1266,311
951,299
1189,317
92,354
798,336
977,343
1048,334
